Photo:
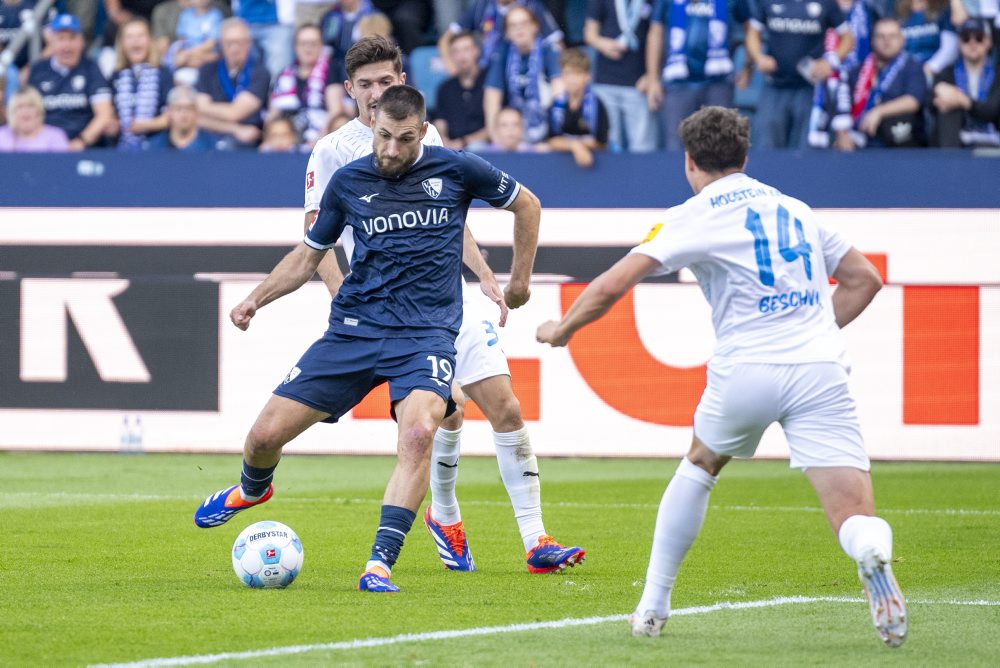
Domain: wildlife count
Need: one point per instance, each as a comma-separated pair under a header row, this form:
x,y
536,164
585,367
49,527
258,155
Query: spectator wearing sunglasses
x,y
967,95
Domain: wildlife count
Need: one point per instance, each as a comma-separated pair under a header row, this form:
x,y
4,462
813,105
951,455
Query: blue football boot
x,y
376,580
220,507
549,556
452,545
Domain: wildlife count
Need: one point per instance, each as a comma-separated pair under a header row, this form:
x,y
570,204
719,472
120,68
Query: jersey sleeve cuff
x,y
513,196
315,245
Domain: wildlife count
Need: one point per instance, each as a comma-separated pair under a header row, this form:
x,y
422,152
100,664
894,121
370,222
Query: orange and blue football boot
x,y
548,556
220,507
376,580
451,542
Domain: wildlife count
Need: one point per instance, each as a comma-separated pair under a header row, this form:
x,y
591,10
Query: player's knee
x,y
703,457
417,437
505,415
265,437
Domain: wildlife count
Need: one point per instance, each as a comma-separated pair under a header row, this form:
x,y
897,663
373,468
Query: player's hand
x,y
516,297
548,332
242,314
495,295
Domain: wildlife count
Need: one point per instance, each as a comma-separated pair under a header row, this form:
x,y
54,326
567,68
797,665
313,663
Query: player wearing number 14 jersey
x,y
763,262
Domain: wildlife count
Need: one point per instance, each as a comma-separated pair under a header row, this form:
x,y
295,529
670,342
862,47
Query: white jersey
x,y
762,261
352,141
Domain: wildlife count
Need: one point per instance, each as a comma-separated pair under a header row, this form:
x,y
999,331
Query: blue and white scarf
x,y
229,89
718,61
629,13
886,78
137,97
588,113
976,132
857,21
826,93
524,90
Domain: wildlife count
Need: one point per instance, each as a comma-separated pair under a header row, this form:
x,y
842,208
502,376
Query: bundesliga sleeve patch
x,y
310,180
653,231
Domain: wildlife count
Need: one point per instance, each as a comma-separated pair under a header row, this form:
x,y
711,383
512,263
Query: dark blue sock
x,y
393,526
254,480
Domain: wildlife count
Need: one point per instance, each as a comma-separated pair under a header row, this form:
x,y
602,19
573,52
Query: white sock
x,y
678,521
858,533
519,470
444,474
373,563
249,498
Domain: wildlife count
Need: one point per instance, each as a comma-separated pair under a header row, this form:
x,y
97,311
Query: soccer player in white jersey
x,y
373,64
763,262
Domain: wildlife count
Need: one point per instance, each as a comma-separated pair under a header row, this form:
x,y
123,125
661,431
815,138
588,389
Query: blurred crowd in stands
x,y
580,76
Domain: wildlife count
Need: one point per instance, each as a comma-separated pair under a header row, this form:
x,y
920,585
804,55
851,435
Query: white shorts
x,y
811,402
479,353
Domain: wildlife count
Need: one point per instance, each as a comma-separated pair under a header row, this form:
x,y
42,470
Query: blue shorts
x,y
338,371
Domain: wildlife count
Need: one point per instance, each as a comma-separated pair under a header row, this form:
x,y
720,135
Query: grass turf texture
x,y
102,563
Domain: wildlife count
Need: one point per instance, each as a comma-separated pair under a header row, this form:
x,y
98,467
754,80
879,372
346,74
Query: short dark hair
x,y
370,50
716,138
462,34
401,102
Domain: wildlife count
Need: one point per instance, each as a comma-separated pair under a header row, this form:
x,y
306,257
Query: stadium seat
x,y
426,72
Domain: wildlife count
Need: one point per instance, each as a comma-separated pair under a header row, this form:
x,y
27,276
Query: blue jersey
x,y
406,270
795,30
67,94
923,33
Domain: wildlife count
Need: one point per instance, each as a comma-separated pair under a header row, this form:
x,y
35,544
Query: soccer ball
x,y
267,555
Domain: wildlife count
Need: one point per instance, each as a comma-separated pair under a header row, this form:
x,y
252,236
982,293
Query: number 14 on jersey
x,y
762,250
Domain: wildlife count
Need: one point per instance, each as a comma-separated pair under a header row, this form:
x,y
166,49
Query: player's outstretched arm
x,y
287,276
858,281
527,215
328,269
597,298
474,260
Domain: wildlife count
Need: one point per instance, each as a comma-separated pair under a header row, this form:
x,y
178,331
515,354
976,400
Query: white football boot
x,y
888,606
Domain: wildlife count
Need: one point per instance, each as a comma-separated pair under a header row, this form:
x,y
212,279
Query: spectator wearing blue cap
x,y
76,96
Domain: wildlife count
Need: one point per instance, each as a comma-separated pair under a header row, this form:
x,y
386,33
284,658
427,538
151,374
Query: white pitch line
x,y
201,659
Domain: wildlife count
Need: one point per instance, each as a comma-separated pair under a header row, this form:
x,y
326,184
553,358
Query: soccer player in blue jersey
x,y
394,319
482,374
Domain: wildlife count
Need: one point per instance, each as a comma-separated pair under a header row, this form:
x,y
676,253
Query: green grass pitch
x,y
101,563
